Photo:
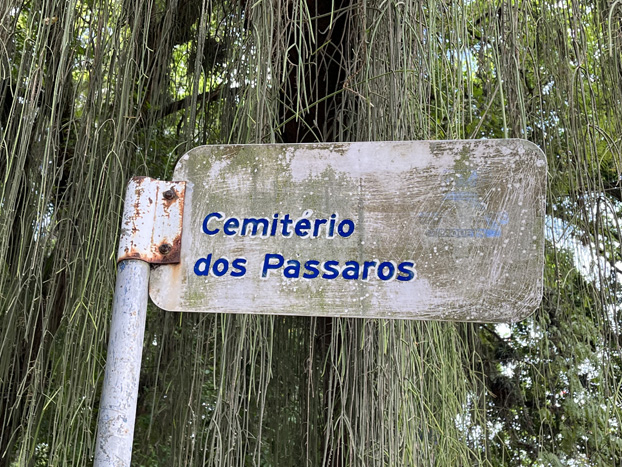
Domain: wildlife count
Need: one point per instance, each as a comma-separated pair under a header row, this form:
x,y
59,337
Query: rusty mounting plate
x,y
148,200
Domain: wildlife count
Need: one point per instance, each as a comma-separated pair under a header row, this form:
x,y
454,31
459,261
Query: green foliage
x,y
547,382
94,92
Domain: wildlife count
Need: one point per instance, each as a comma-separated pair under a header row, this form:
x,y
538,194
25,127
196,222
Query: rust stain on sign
x,y
447,230
152,221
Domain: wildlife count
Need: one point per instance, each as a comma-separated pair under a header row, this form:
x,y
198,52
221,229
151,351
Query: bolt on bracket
x,y
152,221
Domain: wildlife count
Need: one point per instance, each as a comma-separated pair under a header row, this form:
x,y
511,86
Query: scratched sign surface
x,y
450,230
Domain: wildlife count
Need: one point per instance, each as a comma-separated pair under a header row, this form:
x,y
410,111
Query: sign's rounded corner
x,y
188,154
527,312
155,299
531,146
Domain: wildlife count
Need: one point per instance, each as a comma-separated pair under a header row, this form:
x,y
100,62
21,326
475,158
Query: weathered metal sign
x,y
450,230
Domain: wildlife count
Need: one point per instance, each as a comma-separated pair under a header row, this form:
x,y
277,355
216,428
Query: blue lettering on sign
x,y
331,269
386,271
230,226
220,267
302,228
254,224
238,267
351,271
367,265
312,269
305,226
285,226
490,225
467,196
341,229
269,265
406,271
464,233
464,189
208,218
292,270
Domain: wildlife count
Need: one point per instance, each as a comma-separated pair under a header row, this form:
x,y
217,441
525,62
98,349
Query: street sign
x,y
444,230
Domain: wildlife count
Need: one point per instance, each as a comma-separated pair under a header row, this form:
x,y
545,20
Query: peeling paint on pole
x,y
449,230
117,408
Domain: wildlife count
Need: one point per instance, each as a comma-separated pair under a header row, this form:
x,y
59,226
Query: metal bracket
x,y
152,221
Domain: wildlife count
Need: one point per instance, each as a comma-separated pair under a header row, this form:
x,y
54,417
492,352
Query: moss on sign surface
x,y
447,230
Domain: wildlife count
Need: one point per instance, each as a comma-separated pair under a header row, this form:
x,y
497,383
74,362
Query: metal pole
x,y
117,409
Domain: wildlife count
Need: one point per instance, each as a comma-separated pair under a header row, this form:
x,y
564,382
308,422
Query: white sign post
x,y
443,230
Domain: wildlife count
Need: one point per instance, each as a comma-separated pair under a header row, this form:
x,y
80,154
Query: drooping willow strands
x,y
88,98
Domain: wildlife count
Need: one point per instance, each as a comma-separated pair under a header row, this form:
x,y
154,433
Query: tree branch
x,y
173,107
